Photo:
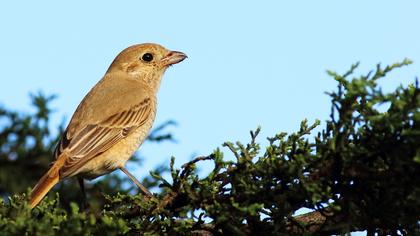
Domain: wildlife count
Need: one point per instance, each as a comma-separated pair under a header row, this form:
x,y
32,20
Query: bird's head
x,y
146,61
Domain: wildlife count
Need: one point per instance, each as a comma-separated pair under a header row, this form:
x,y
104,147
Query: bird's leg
x,y
85,204
139,185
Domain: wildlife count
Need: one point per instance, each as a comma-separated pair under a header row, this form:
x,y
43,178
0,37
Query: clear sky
x,y
250,62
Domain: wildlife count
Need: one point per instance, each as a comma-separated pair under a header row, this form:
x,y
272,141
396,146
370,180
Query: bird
x,y
112,120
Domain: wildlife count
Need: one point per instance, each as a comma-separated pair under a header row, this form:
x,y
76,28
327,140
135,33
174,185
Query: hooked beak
x,y
173,57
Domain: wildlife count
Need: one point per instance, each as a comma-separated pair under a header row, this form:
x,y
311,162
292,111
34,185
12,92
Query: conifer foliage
x,y
361,172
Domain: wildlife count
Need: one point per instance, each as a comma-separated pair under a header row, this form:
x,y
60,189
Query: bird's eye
x,y
148,57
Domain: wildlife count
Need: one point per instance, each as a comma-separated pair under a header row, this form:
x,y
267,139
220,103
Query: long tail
x,y
44,185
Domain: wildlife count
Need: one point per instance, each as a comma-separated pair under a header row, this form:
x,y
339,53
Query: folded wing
x,y
94,139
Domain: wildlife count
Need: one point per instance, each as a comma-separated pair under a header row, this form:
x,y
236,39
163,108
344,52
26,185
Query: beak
x,y
173,57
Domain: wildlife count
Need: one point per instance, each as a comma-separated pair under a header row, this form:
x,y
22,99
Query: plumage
x,y
113,119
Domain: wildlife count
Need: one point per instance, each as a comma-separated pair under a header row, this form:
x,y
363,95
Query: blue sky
x,y
250,63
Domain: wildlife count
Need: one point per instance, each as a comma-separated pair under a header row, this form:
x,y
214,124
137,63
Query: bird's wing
x,y
107,114
94,139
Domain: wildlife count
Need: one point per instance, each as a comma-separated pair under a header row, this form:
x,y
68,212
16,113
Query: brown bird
x,y
112,120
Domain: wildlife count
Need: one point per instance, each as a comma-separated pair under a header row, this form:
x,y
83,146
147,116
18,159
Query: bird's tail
x,y
44,185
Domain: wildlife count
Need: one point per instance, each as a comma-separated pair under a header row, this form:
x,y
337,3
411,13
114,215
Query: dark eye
x,y
148,57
